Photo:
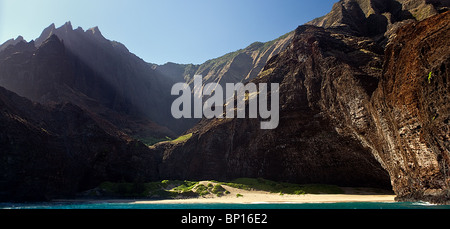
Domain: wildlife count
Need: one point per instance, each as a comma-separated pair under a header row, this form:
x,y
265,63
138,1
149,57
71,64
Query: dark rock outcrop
x,y
11,42
378,19
57,151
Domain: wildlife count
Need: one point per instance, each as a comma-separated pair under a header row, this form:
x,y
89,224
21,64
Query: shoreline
x,y
255,199
256,196
245,196
276,199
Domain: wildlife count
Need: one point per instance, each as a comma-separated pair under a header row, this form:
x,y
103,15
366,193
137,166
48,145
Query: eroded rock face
x,y
364,102
351,114
411,110
320,73
378,19
239,66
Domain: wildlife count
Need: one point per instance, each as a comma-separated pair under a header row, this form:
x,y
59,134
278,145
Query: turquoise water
x,y
107,205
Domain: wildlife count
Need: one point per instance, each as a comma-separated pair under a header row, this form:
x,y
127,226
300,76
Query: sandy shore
x,y
248,197
273,198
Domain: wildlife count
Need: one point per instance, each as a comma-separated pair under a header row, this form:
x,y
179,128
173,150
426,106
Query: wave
x,y
422,203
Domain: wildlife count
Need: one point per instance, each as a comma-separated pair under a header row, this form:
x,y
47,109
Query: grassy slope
x,y
152,141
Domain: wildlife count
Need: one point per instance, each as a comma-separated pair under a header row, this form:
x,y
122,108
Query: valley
x,y
363,102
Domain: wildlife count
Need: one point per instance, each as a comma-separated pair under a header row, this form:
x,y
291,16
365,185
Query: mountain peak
x,y
67,26
51,27
94,31
11,42
373,18
46,33
53,42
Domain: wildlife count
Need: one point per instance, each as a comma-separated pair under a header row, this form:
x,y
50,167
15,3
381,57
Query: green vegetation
x,y
430,76
202,190
149,141
176,188
185,186
266,72
44,130
218,190
239,195
181,138
435,117
376,69
163,189
281,187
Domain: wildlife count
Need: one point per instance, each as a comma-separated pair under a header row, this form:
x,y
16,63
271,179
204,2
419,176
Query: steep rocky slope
x,y
85,69
347,117
306,147
378,19
239,66
363,102
11,42
411,111
50,152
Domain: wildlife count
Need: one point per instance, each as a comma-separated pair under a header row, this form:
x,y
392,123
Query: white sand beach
x,y
247,197
242,196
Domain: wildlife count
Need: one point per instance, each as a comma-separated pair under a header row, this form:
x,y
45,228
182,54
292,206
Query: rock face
x,y
83,68
239,66
80,73
363,102
411,111
57,151
315,70
377,19
348,117
11,42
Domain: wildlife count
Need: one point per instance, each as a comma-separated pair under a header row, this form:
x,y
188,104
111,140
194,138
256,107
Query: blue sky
x,y
179,31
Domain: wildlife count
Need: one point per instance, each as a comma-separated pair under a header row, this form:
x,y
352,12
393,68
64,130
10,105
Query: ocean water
x,y
109,205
